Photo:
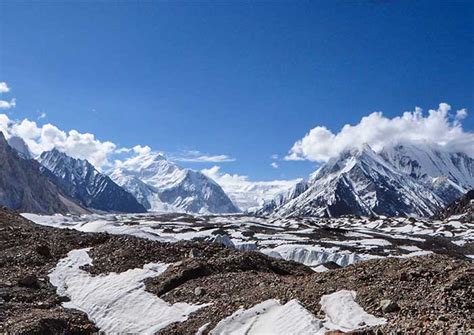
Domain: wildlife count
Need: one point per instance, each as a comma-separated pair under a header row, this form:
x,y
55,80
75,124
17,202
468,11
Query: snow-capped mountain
x,y
161,185
362,182
448,174
82,181
280,199
249,195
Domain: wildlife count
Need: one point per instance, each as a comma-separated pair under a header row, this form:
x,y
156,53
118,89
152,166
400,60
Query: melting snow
x,y
271,317
344,314
117,302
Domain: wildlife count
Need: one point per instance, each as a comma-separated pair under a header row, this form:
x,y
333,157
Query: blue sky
x,y
244,79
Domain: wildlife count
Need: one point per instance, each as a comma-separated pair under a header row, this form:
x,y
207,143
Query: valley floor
x,y
387,275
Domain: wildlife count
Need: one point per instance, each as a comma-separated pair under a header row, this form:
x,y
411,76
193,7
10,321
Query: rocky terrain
x,y
462,208
432,293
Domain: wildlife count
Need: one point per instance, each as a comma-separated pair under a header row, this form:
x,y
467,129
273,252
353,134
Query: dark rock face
x,y
464,207
24,188
80,180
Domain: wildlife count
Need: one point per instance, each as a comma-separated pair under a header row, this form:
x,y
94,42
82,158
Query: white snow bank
x,y
344,314
271,317
117,302
312,255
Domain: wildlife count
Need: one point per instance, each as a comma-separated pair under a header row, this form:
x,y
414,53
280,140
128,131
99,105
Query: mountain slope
x,y
462,208
160,185
20,146
360,182
449,175
24,188
80,180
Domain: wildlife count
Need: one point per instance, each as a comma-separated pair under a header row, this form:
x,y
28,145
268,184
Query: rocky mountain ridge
x,y
25,188
402,180
82,181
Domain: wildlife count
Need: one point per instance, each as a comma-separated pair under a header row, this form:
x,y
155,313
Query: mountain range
x,y
401,180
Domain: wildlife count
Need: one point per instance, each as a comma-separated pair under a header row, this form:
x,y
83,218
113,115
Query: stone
x,y
389,306
199,291
194,253
30,281
43,250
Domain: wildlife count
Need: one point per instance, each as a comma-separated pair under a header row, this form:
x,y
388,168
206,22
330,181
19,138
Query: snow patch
x,y
116,302
271,317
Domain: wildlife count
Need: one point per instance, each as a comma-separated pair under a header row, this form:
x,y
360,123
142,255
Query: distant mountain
x,y
361,182
82,181
161,185
280,199
448,174
24,188
248,195
400,180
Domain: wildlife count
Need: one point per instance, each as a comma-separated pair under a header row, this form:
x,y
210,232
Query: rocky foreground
x,y
431,293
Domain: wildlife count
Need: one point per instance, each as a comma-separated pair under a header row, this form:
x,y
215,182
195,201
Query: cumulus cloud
x,y
199,157
274,165
4,87
142,150
224,178
439,127
5,104
42,115
46,137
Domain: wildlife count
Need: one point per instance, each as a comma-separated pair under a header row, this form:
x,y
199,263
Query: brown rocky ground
x,y
434,294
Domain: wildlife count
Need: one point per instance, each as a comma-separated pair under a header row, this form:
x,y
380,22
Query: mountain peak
x,y
81,180
160,184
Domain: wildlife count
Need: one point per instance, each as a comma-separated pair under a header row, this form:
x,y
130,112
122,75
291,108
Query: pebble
x,y
199,291
389,306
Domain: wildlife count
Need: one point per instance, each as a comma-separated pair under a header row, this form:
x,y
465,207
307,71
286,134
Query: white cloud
x,y
4,87
46,137
274,156
437,127
123,150
43,115
4,104
274,165
198,157
138,149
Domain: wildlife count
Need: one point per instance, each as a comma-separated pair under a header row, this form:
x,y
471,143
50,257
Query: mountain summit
x,y
80,179
159,184
396,182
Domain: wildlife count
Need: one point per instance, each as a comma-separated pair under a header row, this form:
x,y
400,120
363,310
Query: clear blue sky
x,y
238,78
